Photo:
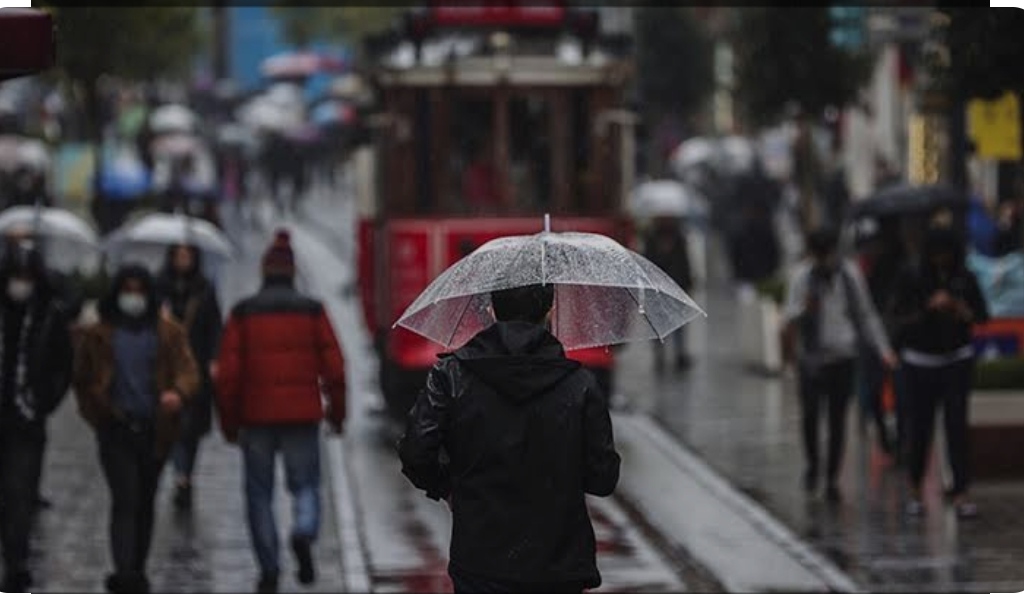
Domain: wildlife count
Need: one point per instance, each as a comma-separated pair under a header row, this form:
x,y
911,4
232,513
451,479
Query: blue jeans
x,y
300,448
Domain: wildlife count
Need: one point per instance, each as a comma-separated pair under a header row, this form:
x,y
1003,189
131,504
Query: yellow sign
x,y
995,127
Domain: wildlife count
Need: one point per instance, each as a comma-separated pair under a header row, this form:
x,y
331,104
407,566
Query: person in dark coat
x,y
754,247
134,371
512,435
192,300
279,356
36,358
667,248
936,305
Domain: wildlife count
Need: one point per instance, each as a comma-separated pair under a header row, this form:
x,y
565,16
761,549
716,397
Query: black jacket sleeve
x,y
601,462
55,374
425,434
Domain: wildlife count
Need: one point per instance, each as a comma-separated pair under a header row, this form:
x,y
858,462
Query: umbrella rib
x,y
458,322
646,317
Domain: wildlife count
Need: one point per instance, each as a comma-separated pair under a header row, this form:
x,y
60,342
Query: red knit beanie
x,y
279,259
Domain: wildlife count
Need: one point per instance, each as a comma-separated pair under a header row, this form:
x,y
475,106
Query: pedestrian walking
x,y
512,435
666,246
829,319
36,358
134,371
278,353
936,305
192,300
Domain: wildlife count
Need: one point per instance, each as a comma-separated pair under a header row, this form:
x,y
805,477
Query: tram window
x,y
530,153
475,174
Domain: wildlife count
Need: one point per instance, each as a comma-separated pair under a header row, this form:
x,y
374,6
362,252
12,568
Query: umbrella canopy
x,y
907,199
163,229
176,145
55,223
124,178
693,153
736,155
604,293
666,198
34,155
299,65
173,118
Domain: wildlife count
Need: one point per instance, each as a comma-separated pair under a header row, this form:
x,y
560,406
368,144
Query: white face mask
x,y
19,290
132,304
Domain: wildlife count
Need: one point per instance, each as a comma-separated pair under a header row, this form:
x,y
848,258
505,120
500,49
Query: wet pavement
x,y
746,426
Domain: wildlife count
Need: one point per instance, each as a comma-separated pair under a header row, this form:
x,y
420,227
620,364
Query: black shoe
x,y
683,362
832,494
301,546
183,496
267,584
17,581
43,502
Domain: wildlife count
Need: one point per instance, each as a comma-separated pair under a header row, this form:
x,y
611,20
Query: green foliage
x,y
303,25
136,43
1004,373
784,56
674,58
986,50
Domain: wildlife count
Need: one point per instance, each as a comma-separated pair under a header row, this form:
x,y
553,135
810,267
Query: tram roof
x,y
512,70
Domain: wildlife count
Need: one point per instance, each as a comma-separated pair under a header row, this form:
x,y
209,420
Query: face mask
x,y
132,304
19,290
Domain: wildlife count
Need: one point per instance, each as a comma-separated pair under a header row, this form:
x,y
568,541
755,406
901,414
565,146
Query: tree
x,y
985,51
304,25
674,64
673,59
136,43
784,57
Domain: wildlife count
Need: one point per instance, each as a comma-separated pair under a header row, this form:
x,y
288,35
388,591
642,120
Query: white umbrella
x,y
666,198
55,223
604,293
162,229
176,145
293,64
173,118
35,155
691,154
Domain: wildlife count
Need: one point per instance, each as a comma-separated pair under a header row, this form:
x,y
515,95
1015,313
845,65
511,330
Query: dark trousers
x,y
832,382
132,471
21,461
927,389
463,582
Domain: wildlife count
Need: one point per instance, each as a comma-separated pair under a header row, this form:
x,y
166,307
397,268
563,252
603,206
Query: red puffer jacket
x,y
278,354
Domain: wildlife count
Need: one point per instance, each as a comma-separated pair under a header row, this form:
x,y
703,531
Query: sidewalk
x,y
746,427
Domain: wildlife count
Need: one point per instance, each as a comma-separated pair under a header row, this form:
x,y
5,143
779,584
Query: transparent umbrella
x,y
173,118
604,293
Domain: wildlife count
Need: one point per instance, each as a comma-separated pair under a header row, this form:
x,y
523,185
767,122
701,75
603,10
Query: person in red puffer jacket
x,y
278,356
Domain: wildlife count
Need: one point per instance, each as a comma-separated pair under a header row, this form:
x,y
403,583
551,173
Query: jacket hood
x,y
518,360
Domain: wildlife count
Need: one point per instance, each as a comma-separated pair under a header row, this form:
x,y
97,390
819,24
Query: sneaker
x,y
301,546
267,584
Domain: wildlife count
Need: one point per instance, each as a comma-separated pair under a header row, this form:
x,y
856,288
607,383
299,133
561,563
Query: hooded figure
x,y
936,304
134,371
192,301
36,359
513,435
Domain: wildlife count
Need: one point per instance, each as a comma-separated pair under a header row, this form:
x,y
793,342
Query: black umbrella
x,y
907,199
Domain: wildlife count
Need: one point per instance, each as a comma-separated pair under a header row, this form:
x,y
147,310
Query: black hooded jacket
x,y
515,434
936,332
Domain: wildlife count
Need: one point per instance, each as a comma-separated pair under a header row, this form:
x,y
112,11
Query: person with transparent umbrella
x,y
510,432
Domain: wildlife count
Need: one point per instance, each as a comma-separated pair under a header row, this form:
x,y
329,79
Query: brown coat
x,y
176,370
